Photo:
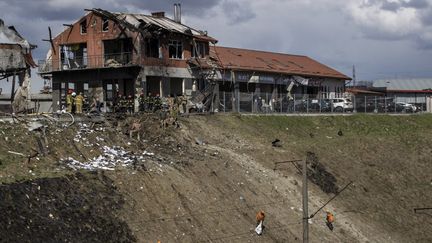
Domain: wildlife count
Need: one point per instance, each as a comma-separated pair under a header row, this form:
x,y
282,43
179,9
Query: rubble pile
x,y
110,158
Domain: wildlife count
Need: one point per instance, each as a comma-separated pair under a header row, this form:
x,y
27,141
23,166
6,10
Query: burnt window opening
x,y
199,50
105,24
73,56
83,27
152,48
118,51
175,48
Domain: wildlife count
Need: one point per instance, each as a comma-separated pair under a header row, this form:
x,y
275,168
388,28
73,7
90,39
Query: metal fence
x,y
282,103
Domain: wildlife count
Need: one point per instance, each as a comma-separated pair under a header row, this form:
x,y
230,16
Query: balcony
x,y
88,62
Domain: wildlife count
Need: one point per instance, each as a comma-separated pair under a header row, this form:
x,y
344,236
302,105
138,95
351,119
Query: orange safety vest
x,y
330,218
260,216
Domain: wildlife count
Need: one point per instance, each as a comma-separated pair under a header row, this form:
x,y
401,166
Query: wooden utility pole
x,y
305,204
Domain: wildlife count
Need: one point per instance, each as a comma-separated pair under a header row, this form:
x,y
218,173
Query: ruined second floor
x,y
102,39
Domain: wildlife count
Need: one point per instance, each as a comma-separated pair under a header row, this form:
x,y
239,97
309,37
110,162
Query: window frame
x,y
83,27
176,44
201,48
105,21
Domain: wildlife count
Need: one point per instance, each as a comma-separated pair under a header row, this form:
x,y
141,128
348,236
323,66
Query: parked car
x,y
401,107
341,104
406,107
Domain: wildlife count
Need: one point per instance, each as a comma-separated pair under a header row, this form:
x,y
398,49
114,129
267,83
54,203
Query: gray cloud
x,y
237,12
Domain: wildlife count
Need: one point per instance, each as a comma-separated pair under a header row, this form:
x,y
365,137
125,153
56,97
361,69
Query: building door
x,y
176,87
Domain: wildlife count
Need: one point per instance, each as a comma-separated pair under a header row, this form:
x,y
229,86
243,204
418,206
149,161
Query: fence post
x,y
385,104
294,104
365,104
307,104
376,108
252,103
224,103
394,101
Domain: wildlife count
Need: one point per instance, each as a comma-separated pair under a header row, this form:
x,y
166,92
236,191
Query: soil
x,y
205,181
75,208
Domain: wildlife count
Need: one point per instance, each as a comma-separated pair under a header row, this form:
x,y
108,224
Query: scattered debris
x,y
110,158
34,126
277,143
318,174
17,153
199,141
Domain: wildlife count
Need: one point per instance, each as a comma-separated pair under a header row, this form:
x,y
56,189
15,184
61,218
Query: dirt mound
x,y
318,174
77,208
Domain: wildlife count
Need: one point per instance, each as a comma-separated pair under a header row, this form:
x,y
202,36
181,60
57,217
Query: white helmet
x,y
73,94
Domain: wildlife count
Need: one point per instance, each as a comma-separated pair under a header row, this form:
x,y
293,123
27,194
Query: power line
x,y
337,194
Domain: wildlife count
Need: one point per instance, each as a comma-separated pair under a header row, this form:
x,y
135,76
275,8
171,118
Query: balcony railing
x,y
97,61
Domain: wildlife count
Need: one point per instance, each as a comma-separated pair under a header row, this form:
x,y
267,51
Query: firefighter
x,y
149,102
130,104
79,100
157,103
142,102
69,101
73,102
330,220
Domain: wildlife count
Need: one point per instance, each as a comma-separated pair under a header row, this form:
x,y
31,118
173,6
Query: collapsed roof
x,y
15,51
252,60
152,24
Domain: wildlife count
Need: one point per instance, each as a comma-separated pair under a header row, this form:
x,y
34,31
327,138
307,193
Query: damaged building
x,y
105,54
15,63
275,75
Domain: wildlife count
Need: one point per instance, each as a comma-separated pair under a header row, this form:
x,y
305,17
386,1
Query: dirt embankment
x,y
204,181
76,208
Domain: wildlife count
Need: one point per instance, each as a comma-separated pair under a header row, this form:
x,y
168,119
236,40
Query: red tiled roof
x,y
251,60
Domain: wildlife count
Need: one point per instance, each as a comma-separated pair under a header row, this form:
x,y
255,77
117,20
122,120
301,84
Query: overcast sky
x,y
382,38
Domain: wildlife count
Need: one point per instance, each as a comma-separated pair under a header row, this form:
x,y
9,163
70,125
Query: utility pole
x,y
354,76
305,204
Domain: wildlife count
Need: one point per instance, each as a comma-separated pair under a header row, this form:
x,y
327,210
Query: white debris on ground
x,y
110,158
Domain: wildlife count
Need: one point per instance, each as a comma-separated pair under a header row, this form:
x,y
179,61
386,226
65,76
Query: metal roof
x,y
253,60
405,84
140,21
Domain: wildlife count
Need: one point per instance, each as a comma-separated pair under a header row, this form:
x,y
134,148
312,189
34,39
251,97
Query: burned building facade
x,y
105,54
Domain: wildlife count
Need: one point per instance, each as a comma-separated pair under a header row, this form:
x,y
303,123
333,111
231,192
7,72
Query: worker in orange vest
x,y
260,216
330,220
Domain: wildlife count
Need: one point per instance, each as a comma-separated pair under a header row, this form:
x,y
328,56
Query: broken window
x,y
105,24
73,56
199,50
152,48
175,49
118,51
83,27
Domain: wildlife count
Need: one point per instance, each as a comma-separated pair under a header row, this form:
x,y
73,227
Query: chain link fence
x,y
282,103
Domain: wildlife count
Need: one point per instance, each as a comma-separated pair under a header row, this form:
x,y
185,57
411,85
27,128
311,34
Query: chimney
x,y
158,14
177,12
